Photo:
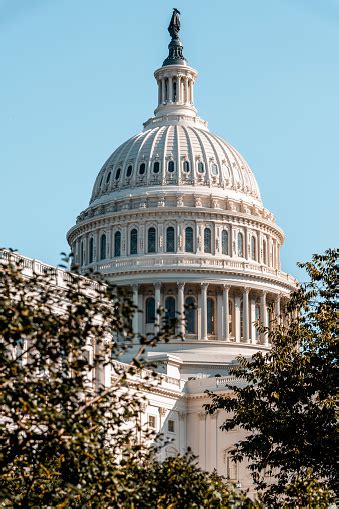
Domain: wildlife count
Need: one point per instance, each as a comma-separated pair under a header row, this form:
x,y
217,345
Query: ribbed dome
x,y
176,155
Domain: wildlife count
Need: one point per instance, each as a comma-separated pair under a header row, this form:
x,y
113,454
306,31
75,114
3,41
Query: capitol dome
x,y
177,154
176,218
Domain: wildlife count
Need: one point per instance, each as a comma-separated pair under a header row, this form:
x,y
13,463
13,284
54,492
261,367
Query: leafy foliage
x,y
70,422
288,405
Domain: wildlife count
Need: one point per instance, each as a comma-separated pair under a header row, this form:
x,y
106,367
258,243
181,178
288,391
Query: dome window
x,y
210,316
264,252
129,171
201,167
190,315
101,180
253,248
170,166
170,247
207,240
151,240
156,167
215,169
224,242
117,244
170,311
240,245
186,166
103,247
134,241
189,239
108,177
142,169
82,253
91,250
117,174
150,310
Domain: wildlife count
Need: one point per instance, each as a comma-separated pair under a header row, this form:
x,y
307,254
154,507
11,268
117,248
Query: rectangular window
x,y
171,426
152,421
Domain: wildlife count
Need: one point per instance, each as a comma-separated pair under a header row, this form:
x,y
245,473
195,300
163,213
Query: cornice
x,y
257,278
199,214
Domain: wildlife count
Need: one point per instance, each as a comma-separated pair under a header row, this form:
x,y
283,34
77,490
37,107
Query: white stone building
x,y
176,217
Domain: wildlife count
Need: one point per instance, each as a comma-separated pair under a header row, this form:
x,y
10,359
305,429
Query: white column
x,y
157,296
163,90
237,318
220,324
178,89
97,247
192,91
263,312
135,322
159,93
87,250
277,309
186,89
226,311
170,89
253,329
204,311
246,315
181,315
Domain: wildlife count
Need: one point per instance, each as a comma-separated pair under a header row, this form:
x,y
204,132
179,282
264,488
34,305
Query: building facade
x,y
176,218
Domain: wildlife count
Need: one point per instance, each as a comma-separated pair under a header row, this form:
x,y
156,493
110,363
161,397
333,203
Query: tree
x,y
288,404
69,435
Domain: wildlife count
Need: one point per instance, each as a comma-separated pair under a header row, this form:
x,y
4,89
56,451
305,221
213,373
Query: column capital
x,y
180,284
204,285
246,290
226,287
157,285
135,287
162,411
202,416
264,294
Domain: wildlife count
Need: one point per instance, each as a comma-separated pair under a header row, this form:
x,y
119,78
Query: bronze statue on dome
x,y
174,26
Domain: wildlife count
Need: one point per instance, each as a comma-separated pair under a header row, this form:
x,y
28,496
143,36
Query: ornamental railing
x,y
199,262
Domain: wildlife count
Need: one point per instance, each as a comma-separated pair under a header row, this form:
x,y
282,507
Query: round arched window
x,y
186,166
108,177
142,169
156,167
117,174
170,166
129,171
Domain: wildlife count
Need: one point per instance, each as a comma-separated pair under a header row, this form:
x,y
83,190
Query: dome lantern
x,y
175,81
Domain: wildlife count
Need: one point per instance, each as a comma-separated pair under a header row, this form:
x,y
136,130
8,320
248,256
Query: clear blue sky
x,y
76,80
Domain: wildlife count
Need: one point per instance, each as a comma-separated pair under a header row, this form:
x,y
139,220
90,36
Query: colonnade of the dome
x,y
208,310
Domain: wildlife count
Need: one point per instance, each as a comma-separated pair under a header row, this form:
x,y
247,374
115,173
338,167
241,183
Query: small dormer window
x,y
186,166
117,174
214,169
170,166
156,167
201,167
129,171
142,169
